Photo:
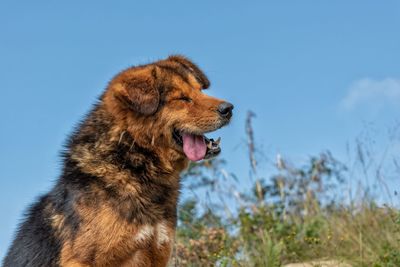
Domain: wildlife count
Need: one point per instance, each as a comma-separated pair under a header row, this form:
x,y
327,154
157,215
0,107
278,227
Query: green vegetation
x,y
299,214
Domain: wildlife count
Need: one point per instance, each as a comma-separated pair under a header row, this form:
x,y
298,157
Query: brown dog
x,y
115,201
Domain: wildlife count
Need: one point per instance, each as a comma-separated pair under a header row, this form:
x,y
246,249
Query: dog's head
x,y
164,102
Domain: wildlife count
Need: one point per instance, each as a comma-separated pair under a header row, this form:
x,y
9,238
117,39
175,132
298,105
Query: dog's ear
x,y
138,90
192,68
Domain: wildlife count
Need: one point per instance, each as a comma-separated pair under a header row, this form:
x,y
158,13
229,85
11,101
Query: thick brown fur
x,y
115,203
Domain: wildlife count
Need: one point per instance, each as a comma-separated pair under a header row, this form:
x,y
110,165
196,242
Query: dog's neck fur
x,y
104,150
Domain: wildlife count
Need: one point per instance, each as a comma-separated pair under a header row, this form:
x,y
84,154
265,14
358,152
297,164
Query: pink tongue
x,y
194,146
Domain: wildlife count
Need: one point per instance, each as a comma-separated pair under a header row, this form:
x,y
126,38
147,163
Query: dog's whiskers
x,y
120,137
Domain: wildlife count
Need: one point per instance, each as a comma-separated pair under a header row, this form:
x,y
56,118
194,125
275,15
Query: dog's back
x,y
35,243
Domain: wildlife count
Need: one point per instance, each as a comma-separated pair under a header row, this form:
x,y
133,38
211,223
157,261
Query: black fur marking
x,y
35,244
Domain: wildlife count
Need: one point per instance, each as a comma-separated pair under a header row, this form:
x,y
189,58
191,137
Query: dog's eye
x,y
185,98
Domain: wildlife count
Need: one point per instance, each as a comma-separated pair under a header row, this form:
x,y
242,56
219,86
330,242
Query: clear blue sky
x,y
315,72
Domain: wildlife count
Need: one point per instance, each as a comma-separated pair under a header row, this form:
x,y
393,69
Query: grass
x,y
366,236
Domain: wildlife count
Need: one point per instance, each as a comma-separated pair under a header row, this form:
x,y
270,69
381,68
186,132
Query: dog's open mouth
x,y
197,147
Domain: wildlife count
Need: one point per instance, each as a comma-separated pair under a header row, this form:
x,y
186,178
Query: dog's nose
x,y
225,109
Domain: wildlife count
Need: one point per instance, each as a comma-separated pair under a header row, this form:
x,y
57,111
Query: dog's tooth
x,y
218,140
209,145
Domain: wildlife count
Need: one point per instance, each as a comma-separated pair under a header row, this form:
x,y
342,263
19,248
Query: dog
x,y
115,202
